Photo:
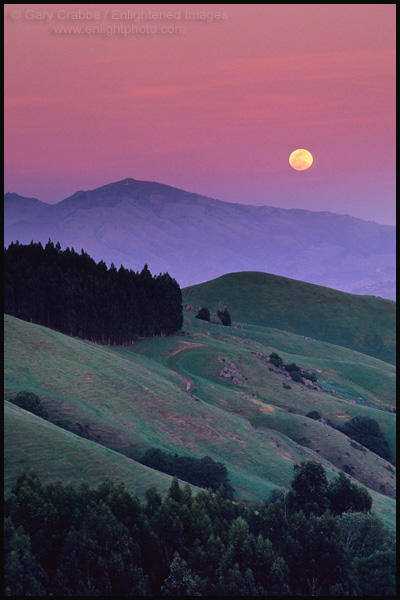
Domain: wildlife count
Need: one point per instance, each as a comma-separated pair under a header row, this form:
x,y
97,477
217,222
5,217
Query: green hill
x,y
169,393
31,442
131,405
362,323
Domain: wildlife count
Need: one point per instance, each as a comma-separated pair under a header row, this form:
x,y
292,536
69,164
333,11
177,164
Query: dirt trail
x,y
185,346
185,379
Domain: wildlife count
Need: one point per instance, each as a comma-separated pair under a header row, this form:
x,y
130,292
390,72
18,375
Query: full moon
x,y
301,160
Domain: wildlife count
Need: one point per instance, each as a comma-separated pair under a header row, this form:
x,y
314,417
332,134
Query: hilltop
x,y
362,323
197,238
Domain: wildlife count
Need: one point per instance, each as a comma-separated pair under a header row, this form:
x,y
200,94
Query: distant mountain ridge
x,y
196,238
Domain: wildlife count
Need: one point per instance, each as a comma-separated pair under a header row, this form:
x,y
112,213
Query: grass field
x,y
209,390
31,442
362,323
130,407
168,393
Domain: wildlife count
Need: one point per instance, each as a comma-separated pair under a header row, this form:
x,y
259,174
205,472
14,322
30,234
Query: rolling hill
x,y
54,453
207,390
196,238
362,323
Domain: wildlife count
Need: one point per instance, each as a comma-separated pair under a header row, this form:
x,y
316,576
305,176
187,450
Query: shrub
x,y
292,367
294,372
296,376
311,376
275,359
366,431
31,402
203,314
314,414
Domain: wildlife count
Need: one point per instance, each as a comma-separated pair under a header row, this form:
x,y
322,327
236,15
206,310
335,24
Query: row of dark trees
x,y
203,472
70,292
66,541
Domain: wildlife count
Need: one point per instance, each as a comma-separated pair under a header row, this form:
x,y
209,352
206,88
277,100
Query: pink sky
x,y
215,107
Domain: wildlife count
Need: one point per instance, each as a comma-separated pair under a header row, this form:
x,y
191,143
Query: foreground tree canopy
x,y
63,540
72,293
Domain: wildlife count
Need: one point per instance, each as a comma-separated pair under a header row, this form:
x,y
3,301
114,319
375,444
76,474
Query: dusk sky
x,y
212,102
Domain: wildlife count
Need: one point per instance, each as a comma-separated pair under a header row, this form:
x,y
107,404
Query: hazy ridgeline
x,y
196,238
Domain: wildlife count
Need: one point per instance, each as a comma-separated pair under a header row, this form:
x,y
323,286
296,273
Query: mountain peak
x,y
196,238
139,192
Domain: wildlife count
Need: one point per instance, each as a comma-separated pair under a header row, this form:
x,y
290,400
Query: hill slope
x,y
196,238
131,406
361,323
31,442
169,393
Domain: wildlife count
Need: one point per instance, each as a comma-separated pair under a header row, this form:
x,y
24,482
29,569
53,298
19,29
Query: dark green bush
x,y
296,376
275,359
311,376
294,372
31,402
203,314
314,414
366,431
292,367
345,496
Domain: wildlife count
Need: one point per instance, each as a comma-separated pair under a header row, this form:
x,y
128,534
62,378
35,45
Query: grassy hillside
x,y
206,350
133,405
169,393
31,442
362,323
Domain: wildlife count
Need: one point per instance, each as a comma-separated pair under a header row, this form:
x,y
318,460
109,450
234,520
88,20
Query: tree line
x,y
64,540
70,292
203,472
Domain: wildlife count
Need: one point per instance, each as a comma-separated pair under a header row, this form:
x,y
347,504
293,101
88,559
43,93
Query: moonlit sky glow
x,y
214,107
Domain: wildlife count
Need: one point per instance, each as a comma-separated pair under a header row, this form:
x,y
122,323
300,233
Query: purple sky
x,y
214,103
